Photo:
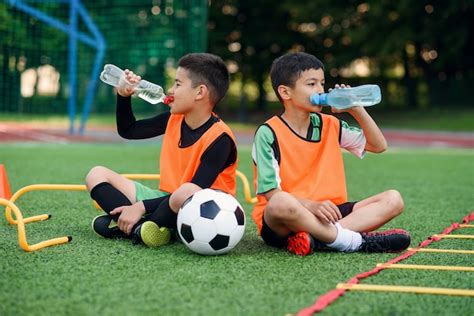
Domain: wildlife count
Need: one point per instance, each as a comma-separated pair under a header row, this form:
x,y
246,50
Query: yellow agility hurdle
x,y
22,233
20,221
245,184
405,289
38,187
80,187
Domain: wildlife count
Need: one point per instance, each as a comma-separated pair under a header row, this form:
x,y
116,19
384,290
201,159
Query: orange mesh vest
x,y
178,165
312,170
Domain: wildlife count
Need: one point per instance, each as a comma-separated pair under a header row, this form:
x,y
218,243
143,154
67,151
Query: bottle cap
x,y
318,98
168,99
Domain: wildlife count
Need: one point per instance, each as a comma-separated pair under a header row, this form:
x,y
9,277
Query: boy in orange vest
x,y
198,152
299,171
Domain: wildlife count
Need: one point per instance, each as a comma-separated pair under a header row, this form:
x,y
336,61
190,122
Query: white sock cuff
x,y
346,240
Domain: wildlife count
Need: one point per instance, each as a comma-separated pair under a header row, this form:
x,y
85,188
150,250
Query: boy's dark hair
x,y
209,70
287,69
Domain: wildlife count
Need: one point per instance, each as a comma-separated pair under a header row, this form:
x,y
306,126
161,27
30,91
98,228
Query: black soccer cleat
x,y
393,240
106,227
150,234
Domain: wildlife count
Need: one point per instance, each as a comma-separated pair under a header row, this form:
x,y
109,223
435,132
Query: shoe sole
x,y
300,244
154,236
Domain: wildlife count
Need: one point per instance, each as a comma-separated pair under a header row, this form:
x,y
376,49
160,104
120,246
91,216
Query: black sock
x,y
109,198
163,215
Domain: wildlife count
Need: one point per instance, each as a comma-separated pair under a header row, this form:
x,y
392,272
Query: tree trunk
x,y
243,101
410,84
262,100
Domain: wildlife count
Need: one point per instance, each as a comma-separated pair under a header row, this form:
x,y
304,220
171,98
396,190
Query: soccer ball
x,y
211,222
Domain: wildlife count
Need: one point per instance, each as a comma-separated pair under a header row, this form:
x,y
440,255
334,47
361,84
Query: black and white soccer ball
x,y
211,222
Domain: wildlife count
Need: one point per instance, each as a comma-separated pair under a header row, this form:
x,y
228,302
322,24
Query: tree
x,y
431,39
251,34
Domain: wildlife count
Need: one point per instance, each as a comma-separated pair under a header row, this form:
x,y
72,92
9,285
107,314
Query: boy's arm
x,y
221,154
375,141
129,128
217,157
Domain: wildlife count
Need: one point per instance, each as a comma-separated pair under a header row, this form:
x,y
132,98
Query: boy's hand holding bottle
x,y
128,83
339,110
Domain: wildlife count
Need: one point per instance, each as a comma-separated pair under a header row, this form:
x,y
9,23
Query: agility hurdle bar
x,y
459,251
424,267
38,187
245,183
454,236
405,289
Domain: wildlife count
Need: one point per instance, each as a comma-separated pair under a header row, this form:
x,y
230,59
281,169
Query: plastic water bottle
x,y
146,90
343,98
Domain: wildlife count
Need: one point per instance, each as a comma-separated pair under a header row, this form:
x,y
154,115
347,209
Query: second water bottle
x,y
343,98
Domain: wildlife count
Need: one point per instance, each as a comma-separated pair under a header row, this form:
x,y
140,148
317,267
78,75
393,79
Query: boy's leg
x,y
163,215
154,231
109,190
285,215
373,212
99,174
182,194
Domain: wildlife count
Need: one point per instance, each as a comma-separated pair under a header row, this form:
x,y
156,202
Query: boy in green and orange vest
x,y
299,171
198,152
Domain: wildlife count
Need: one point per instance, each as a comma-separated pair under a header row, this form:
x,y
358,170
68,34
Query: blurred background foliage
x,y
419,52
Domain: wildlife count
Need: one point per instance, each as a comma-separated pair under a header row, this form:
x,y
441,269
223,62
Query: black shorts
x,y
274,240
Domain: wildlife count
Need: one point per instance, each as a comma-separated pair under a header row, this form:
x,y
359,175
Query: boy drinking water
x,y
198,152
299,171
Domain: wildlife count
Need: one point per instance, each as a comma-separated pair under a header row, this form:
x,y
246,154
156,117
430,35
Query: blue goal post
x,y
94,40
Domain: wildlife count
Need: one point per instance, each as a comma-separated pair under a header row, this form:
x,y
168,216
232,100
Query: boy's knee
x,y
395,200
96,175
182,194
280,208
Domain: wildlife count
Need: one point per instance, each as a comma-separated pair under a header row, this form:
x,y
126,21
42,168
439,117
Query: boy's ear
x,y
201,91
284,92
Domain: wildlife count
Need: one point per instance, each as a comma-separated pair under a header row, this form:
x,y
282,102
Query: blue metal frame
x,y
97,41
101,46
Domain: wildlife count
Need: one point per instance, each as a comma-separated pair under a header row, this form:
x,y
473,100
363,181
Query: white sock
x,y
346,240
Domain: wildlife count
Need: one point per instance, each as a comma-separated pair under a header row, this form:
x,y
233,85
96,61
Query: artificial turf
x,y
92,275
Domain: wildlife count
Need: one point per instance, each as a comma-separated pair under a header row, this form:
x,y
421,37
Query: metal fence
x,y
147,36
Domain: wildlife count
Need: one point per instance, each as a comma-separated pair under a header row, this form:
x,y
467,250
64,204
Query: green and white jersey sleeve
x,y
264,155
352,139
